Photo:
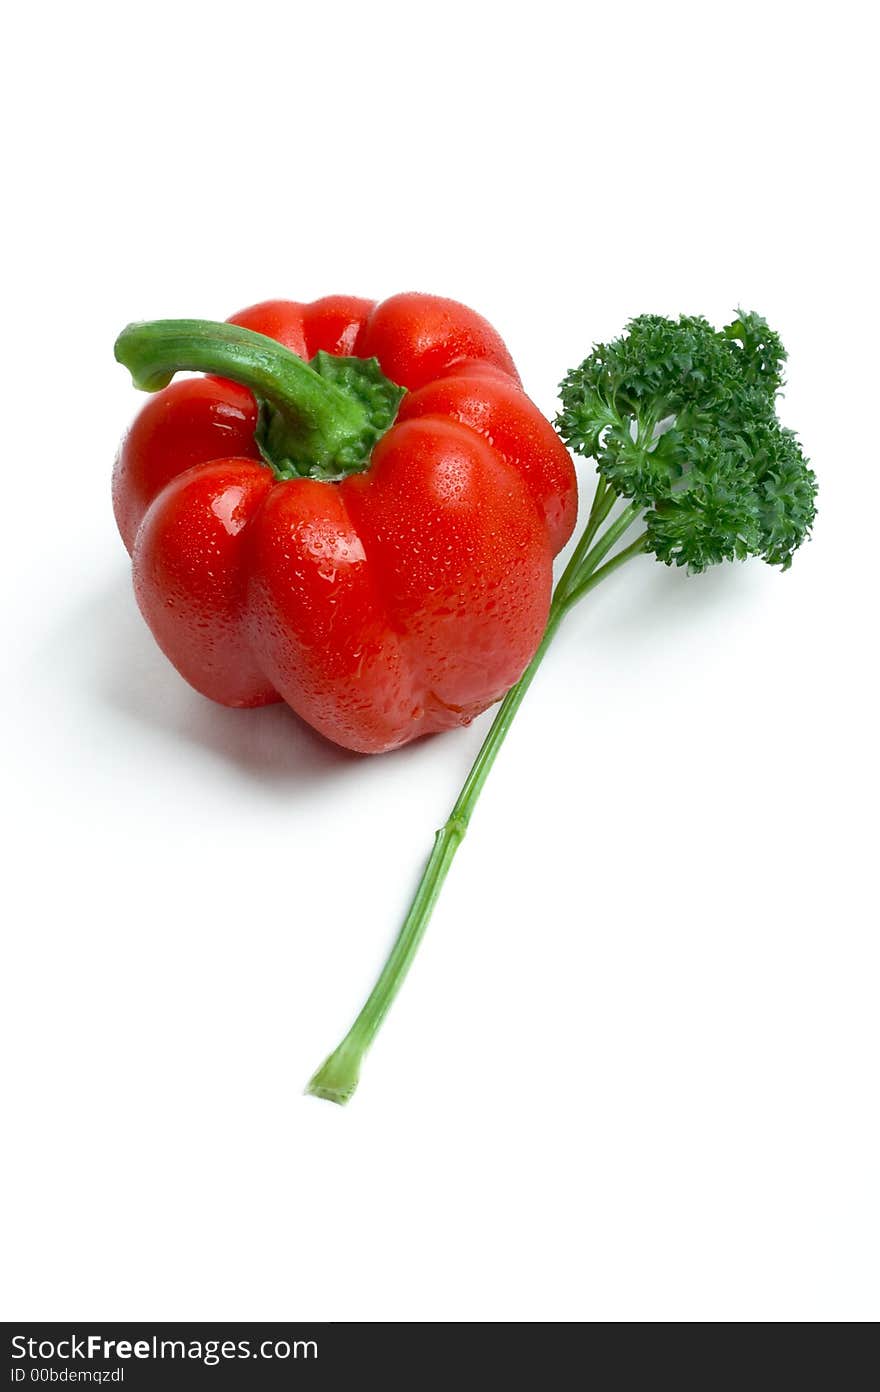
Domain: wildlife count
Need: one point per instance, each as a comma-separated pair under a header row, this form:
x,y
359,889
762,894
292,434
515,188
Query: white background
x,y
633,1074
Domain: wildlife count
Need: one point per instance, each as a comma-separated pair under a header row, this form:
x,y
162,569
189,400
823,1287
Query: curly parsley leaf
x,y
681,418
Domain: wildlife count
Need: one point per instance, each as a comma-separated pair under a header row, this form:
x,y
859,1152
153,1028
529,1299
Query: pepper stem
x,y
318,419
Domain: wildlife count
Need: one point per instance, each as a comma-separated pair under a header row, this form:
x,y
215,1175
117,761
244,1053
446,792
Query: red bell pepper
x,y
358,514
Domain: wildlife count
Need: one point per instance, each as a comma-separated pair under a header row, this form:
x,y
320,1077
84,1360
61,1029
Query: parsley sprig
x,y
681,421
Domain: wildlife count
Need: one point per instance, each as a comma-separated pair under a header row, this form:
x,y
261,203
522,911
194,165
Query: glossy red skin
x,y
403,600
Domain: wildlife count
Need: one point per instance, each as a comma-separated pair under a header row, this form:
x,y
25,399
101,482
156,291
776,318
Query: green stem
x,y
591,559
337,1078
594,577
323,417
604,499
154,352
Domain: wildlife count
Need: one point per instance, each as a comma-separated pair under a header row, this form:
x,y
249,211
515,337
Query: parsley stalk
x,y
337,1077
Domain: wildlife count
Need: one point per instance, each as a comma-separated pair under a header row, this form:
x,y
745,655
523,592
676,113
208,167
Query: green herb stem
x,y
592,578
337,1078
604,499
573,578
